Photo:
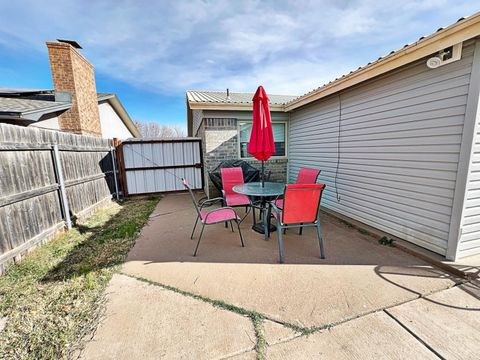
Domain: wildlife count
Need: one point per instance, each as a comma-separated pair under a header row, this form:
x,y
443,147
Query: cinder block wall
x,y
220,142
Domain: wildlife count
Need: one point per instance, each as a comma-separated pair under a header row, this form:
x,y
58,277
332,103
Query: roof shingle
x,y
22,106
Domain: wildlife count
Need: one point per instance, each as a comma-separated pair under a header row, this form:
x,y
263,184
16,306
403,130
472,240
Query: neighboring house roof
x,y
32,104
218,100
25,107
464,29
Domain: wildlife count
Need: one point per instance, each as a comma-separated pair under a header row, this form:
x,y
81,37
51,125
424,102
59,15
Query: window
x,y
279,137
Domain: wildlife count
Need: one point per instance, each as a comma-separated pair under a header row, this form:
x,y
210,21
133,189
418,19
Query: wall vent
x,y
445,56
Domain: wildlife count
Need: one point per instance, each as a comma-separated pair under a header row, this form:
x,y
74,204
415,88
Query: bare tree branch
x,y
153,129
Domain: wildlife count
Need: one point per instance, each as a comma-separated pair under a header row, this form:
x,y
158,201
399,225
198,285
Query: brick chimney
x,y
73,76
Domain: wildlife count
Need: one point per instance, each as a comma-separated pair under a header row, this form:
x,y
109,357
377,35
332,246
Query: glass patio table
x,y
255,189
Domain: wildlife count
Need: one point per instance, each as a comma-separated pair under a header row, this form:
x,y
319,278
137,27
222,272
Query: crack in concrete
x,y
413,334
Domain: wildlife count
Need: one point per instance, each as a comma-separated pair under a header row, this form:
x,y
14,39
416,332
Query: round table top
x,y
256,189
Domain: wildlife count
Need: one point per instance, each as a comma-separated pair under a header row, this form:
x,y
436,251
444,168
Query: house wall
x,y
466,240
111,124
51,123
197,117
219,133
396,148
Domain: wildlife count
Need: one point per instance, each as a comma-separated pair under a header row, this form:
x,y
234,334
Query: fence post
x,y
121,166
61,182
114,168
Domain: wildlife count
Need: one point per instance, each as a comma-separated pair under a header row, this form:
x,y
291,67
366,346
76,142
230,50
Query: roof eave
x,y
35,115
454,34
104,97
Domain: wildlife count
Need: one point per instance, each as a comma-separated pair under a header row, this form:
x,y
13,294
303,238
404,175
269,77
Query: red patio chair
x,y
231,177
301,203
305,176
215,216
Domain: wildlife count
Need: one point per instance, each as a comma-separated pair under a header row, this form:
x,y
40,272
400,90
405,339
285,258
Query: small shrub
x,y
385,240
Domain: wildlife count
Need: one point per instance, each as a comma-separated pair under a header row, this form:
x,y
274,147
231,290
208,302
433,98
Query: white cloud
x,y
168,47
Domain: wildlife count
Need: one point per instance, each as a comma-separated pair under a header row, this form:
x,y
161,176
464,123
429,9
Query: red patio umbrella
x,y
261,144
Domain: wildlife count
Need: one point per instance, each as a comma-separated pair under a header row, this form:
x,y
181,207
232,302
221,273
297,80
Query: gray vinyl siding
x,y
400,137
197,116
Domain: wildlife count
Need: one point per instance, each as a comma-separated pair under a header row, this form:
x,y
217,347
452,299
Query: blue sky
x,y
151,52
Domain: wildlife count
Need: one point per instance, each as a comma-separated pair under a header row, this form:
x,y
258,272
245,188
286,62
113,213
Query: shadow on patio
x,y
358,275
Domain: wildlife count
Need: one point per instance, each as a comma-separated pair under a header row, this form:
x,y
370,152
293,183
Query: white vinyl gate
x,y
153,166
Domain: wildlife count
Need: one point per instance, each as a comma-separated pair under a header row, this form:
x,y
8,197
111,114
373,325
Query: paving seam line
x,y
230,356
153,216
418,338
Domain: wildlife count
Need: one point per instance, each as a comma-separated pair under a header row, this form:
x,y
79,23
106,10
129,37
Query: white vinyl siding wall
x,y
469,234
400,137
469,243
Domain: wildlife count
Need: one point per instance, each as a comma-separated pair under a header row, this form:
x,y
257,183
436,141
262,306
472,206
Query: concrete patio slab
x,y
448,321
374,336
147,322
276,333
357,277
251,355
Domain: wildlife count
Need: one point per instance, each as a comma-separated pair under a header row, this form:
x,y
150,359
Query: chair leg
x,y
231,225
265,224
280,243
300,230
198,242
320,241
247,211
240,232
194,226
224,203
269,214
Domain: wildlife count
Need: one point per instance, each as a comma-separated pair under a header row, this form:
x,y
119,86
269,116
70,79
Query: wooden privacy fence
x,y
155,166
46,179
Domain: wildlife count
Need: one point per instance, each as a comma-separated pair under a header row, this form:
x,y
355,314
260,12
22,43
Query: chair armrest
x,y
278,197
275,207
209,202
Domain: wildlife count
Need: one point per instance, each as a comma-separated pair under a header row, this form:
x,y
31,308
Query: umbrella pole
x,y
263,173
